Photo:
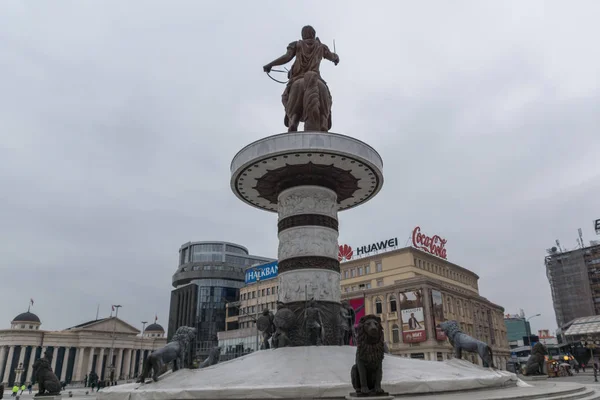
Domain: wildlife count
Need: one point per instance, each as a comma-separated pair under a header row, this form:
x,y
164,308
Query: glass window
x,y
378,306
379,282
233,249
393,304
268,291
360,271
368,269
395,334
378,266
346,289
263,292
346,274
353,272
369,285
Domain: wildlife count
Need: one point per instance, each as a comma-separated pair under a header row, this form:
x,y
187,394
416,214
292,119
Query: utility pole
x,y
257,271
142,346
112,348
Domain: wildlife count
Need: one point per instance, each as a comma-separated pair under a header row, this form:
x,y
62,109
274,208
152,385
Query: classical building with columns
x,y
78,350
381,281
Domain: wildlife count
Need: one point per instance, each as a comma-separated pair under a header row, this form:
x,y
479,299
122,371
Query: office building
x,y
517,327
408,284
574,278
209,275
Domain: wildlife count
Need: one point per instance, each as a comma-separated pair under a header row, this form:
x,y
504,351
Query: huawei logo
x,y
345,252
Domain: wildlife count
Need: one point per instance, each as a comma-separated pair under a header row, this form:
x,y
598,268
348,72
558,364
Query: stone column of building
x,y
119,362
90,360
11,351
127,364
65,362
80,353
430,329
30,366
21,359
54,357
2,356
99,363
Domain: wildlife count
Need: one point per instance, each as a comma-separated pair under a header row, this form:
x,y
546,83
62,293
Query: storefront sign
x,y
345,252
437,302
434,245
262,272
386,244
597,226
413,320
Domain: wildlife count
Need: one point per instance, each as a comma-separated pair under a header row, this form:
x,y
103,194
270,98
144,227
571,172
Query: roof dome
x,y
154,328
27,317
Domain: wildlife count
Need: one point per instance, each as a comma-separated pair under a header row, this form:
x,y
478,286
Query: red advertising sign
x,y
345,252
359,311
432,244
413,319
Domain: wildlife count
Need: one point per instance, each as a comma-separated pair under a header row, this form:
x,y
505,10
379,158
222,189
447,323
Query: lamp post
x,y
256,270
142,346
111,367
528,328
18,372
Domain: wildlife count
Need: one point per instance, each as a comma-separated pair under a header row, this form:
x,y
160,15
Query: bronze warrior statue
x,y
306,97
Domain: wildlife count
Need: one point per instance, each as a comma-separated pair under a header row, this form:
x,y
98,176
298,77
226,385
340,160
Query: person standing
x,y
15,390
30,387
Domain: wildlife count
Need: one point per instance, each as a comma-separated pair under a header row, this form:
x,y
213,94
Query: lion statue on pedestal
x,y
175,351
366,373
535,363
461,341
47,381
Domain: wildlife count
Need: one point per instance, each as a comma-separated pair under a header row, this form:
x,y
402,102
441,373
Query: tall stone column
x,y
307,178
21,360
99,363
2,357
127,364
31,361
7,369
118,365
54,358
78,375
65,362
90,360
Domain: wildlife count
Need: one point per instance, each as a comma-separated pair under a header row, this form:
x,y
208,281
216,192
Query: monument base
x,y
368,396
310,372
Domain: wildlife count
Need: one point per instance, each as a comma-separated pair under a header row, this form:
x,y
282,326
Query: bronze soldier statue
x,y
306,97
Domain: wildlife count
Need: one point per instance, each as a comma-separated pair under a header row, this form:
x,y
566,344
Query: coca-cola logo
x,y
432,244
345,252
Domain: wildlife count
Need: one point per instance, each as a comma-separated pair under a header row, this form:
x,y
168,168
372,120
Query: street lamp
x,y
142,346
257,271
528,328
111,367
18,372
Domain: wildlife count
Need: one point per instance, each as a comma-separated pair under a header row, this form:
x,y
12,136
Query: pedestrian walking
x,y
22,388
30,387
15,390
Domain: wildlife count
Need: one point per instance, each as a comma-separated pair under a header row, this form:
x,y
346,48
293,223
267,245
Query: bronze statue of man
x,y
306,97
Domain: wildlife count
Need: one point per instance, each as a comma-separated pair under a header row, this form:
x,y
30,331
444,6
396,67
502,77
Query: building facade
x,y
260,293
76,351
517,327
209,276
413,291
574,278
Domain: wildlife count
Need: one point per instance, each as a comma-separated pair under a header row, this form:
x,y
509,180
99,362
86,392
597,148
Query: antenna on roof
x,y
580,237
558,245
97,311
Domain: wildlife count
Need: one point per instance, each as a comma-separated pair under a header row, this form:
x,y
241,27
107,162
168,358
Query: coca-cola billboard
x,y
432,244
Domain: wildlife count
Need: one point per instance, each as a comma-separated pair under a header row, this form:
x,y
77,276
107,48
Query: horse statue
x,y
306,97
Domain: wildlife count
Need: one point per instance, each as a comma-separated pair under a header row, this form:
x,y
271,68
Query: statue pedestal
x,y
307,178
384,396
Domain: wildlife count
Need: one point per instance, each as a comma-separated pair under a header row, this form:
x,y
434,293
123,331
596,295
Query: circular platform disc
x,y
353,169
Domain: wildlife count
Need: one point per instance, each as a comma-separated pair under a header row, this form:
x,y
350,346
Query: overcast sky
x,y
119,119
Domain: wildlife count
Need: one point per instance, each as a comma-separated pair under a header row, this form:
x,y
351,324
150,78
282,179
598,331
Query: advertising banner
x,y
437,303
413,320
359,309
262,272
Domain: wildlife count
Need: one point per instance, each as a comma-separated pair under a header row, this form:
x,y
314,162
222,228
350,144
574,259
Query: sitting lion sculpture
x,y
175,351
366,373
535,363
461,341
48,383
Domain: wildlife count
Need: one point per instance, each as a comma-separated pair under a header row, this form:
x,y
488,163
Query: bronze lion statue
x,y
461,341
366,373
535,363
47,381
175,351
